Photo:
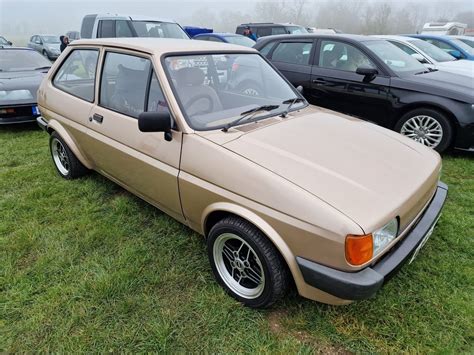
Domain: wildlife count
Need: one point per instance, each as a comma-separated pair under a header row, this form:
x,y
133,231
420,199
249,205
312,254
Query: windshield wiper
x,y
249,114
423,72
291,102
41,68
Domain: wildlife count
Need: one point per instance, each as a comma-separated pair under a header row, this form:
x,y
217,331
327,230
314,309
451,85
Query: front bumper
x,y
365,283
21,114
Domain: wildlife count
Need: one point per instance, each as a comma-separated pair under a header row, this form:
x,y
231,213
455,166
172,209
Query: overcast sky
x,y
22,17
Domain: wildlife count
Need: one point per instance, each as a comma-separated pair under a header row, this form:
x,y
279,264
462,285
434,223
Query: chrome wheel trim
x,y
239,266
60,157
250,92
423,129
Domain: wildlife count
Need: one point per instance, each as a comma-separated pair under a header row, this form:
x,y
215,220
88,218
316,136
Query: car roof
x,y
132,17
161,46
17,48
445,37
269,24
396,37
350,37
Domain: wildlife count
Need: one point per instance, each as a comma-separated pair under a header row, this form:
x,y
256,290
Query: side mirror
x,y
300,89
156,122
419,58
456,54
368,73
10,43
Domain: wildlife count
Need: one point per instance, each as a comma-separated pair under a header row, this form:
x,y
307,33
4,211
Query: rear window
x,y
87,26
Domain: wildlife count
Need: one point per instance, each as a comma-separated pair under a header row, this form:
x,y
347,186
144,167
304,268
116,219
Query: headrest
x,y
190,77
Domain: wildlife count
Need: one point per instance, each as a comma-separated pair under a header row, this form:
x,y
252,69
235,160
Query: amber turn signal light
x,y
359,249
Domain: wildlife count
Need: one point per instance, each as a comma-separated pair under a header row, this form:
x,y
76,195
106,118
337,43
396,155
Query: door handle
x,y
96,117
319,81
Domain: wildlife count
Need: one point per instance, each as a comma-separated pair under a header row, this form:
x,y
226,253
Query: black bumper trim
x,y
42,123
365,283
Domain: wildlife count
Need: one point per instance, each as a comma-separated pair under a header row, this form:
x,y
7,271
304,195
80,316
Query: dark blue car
x,y
449,44
226,38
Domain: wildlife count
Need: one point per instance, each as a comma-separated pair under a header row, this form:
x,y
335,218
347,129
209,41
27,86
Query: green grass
x,y
86,266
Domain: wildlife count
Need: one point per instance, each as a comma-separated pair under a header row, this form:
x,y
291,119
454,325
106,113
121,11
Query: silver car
x,y
47,45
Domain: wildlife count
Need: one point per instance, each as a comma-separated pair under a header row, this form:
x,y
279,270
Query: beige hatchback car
x,y
214,136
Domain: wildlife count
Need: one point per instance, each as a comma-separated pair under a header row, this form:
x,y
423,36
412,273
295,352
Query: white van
x,y
112,25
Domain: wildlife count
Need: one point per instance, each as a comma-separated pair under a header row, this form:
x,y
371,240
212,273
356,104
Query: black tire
x,y
64,160
276,274
45,54
250,88
441,118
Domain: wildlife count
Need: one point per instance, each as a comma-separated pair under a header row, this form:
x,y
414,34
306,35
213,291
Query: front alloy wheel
x,y
427,126
246,263
423,129
239,266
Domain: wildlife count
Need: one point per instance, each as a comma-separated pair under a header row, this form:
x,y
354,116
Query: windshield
x,y
21,60
50,39
399,61
159,29
434,52
469,42
463,46
295,30
3,40
216,89
240,40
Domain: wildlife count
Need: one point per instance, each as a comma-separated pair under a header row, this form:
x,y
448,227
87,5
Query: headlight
x,y
362,248
385,235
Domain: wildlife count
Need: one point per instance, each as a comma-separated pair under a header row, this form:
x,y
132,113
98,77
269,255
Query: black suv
x,y
372,79
268,29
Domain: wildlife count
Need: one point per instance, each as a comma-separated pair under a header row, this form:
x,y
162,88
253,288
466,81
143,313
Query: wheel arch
x,y
55,126
217,211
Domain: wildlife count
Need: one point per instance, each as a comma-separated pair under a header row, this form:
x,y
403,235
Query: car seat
x,y
196,97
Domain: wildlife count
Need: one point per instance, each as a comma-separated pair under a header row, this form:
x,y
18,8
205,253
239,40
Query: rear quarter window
x,y
76,75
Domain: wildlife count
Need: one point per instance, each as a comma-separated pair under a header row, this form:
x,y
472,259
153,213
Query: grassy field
x,y
86,266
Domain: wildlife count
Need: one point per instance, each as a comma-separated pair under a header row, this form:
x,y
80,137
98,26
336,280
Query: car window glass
x,y
122,29
267,48
403,47
214,39
342,56
77,73
156,99
124,82
264,31
214,90
107,29
443,45
278,31
293,52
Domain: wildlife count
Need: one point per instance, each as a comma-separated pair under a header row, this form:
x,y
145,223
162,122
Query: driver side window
x,y
342,56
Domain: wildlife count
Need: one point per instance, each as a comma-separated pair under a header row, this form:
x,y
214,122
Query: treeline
x,y
350,16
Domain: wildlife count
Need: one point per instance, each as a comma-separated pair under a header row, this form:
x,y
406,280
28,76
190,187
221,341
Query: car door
x,y
293,59
336,85
144,163
73,90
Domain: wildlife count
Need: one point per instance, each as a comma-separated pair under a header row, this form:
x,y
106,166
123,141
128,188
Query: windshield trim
x,y
164,56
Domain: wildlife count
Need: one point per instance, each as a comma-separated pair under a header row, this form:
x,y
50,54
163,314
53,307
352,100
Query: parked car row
x,y
284,192
375,80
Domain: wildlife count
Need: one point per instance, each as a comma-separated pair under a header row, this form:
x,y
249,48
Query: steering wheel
x,y
207,98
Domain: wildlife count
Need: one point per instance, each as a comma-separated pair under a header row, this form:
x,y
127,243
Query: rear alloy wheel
x,y
246,263
66,163
428,127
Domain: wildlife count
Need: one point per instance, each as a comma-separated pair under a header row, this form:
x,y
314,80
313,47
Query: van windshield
x,y
159,29
295,30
